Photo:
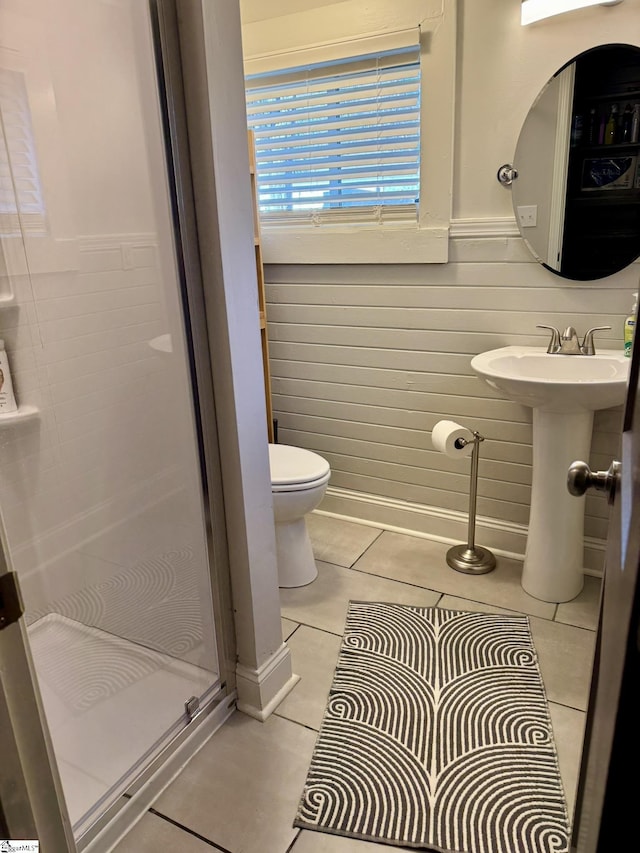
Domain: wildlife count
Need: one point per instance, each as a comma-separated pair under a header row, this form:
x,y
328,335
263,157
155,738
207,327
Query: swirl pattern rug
x,y
437,736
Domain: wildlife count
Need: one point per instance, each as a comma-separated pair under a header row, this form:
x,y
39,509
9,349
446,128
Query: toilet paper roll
x,y
444,437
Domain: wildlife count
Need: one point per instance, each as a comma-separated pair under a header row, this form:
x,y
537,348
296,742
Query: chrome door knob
x,y
580,478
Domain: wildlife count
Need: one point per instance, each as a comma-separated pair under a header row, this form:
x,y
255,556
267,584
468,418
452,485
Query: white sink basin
x,y
564,392
556,383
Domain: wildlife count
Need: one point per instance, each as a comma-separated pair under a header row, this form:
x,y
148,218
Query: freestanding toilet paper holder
x,y
471,558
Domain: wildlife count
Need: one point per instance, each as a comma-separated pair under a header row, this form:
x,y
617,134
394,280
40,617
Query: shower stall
x,y
106,498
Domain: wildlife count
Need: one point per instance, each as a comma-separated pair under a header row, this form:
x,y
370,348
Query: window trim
x,y
425,241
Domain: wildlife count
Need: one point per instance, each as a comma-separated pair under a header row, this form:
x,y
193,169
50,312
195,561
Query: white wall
x,y
90,59
365,359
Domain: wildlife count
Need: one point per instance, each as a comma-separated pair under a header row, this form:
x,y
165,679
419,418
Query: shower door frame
x,y
164,22
31,795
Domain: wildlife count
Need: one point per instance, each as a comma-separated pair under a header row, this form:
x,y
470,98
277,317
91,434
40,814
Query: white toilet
x,y
299,480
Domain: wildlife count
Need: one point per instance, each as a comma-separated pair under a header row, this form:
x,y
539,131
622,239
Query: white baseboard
x,y
261,690
504,538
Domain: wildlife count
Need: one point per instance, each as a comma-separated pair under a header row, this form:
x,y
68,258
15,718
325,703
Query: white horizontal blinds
x,y
338,136
21,202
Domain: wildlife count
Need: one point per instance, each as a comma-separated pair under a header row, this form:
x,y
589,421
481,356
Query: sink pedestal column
x,y
554,558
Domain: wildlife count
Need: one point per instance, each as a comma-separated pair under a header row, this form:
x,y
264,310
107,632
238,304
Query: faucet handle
x,y
554,343
588,347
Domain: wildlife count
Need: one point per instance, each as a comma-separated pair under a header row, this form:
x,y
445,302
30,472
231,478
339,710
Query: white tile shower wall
x,y
366,359
104,445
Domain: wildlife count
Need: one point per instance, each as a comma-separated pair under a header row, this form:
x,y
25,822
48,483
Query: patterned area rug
x,y
437,736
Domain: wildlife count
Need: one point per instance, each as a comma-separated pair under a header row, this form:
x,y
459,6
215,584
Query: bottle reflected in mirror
x,y
611,128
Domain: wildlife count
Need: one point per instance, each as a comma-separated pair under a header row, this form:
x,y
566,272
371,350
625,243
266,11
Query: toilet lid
x,y
291,465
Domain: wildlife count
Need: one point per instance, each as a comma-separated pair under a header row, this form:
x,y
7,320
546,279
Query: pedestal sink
x,y
564,392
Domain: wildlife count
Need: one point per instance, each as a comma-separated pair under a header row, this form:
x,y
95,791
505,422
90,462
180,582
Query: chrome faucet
x,y
568,343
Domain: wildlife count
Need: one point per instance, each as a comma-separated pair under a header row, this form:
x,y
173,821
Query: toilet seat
x,y
294,468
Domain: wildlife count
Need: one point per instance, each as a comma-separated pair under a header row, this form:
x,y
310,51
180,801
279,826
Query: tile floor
x,y
240,791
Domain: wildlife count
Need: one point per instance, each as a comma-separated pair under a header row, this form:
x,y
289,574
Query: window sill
x,y
355,245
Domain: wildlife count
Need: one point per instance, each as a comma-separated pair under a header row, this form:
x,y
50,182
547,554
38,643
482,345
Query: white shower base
x,y
108,703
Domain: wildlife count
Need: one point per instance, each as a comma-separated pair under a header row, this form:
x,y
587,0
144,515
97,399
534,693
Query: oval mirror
x,y
576,197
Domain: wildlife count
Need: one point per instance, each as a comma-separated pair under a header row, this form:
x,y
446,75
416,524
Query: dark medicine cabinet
x,y
602,214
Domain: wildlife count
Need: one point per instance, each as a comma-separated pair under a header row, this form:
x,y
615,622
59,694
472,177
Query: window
x,y
395,209
21,203
339,140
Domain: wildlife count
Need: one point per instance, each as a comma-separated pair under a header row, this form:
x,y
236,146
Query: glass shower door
x,y
101,493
